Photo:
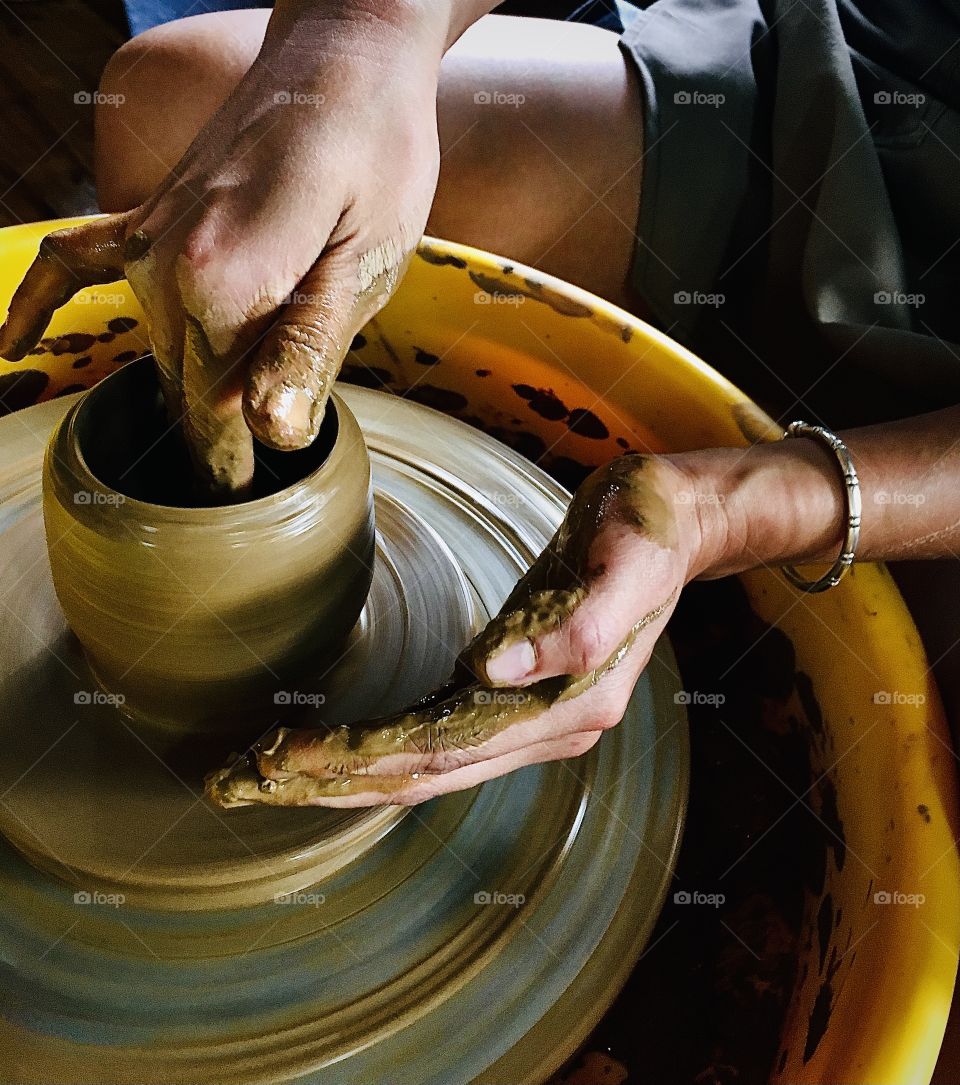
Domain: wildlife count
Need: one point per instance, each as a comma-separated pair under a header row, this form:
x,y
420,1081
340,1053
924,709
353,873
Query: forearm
x,y
784,502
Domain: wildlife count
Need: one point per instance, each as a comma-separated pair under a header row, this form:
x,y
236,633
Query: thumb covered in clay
x,y
613,570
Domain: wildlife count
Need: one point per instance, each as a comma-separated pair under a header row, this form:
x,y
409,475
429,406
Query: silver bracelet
x,y
851,484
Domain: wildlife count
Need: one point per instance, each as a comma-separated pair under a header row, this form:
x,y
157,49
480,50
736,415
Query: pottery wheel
x,y
149,938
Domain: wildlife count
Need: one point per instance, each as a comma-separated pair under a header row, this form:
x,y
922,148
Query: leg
x,y
549,176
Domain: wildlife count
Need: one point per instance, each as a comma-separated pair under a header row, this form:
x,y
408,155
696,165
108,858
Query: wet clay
x,y
469,712
193,617
469,717
625,491
199,351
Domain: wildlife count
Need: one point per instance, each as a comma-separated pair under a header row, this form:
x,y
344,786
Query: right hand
x,y
285,227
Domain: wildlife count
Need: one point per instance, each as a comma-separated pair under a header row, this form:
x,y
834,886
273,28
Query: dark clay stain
x,y
568,472
782,1061
809,701
866,899
126,356
623,442
483,372
121,324
80,363
388,347
366,376
72,343
819,1019
587,424
830,816
21,389
359,342
440,259
824,926
542,401
70,389
557,301
822,1008
424,357
441,399
837,918
532,289
497,287
924,812
106,337
527,444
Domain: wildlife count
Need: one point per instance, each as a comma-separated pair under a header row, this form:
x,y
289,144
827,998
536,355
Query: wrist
x,y
771,504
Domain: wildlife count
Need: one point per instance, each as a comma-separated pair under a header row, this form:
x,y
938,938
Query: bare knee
x,y
157,92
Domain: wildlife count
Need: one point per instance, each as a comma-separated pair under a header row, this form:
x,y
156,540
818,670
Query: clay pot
x,y
193,616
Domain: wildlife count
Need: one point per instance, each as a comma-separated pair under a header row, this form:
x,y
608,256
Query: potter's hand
x,y
546,677
557,666
284,228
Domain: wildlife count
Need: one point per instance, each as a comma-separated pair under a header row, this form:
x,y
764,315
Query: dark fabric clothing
x,y
800,211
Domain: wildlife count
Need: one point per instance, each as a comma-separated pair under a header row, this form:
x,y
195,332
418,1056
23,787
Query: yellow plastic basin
x,y
464,330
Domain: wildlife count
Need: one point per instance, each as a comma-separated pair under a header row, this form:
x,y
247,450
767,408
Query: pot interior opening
x,y
129,443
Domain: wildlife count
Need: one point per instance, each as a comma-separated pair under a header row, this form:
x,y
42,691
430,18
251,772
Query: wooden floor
x,y
51,55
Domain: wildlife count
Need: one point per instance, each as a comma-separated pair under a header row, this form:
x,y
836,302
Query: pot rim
x,y
73,462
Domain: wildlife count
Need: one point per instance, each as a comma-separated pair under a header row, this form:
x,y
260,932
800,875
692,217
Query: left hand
x,y
542,681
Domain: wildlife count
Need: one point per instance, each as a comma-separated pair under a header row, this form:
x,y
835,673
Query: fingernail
x,y
512,664
287,417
